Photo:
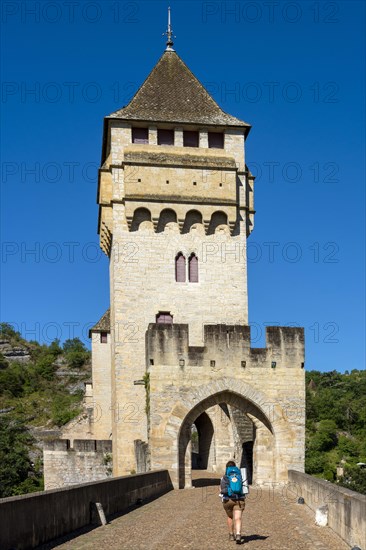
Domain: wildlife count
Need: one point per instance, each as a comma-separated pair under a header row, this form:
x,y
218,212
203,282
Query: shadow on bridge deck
x,y
203,478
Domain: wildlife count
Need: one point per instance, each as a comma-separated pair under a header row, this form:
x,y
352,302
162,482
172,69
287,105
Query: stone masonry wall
x,y
101,397
88,460
143,282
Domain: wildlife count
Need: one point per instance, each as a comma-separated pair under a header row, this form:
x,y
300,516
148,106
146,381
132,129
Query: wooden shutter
x,y
180,268
140,135
216,140
165,137
190,139
193,269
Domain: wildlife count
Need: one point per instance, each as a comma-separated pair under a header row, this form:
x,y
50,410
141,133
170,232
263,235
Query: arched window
x,y
180,268
193,269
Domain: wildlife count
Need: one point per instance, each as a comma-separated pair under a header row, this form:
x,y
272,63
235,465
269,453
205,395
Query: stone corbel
x,y
155,221
232,225
129,221
206,224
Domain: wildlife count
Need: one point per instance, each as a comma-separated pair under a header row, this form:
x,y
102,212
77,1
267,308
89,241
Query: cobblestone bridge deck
x,y
194,519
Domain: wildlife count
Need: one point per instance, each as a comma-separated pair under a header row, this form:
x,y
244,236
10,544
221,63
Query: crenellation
x,y
224,344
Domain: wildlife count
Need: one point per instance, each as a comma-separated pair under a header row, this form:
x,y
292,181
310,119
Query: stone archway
x,y
239,402
265,385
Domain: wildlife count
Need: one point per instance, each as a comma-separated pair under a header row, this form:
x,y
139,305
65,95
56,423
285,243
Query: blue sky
x,y
294,70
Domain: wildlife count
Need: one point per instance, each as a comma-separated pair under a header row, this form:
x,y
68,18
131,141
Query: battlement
x,y
225,345
79,445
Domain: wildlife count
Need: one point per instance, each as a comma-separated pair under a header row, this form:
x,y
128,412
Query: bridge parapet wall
x,y
30,520
346,509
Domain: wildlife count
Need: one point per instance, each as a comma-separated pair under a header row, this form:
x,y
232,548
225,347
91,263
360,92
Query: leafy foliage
x,y
354,478
62,408
7,332
75,352
17,474
36,393
336,426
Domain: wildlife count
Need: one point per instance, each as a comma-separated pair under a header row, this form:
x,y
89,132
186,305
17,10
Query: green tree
x,y
314,463
76,359
336,425
354,479
8,332
55,348
45,366
76,353
3,362
325,437
64,408
15,465
347,447
74,344
12,380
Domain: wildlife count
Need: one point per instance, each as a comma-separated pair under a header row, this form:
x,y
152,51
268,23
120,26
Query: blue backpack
x,y
235,481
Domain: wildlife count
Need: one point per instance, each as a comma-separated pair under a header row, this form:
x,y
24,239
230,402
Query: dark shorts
x,y
231,505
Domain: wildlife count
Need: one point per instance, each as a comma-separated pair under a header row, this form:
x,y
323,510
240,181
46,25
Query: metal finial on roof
x,y
169,34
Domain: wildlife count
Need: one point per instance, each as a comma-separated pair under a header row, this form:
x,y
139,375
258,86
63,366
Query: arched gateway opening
x,y
256,455
202,431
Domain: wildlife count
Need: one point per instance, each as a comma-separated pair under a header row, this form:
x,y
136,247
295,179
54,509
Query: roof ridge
x,y
146,79
172,93
202,85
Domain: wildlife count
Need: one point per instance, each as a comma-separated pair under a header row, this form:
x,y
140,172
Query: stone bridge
x,y
151,516
194,519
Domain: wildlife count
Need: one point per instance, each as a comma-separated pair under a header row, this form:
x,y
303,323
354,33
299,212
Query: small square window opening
x,y
140,135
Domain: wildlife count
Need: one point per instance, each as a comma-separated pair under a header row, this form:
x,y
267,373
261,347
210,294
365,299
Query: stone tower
x,y
175,209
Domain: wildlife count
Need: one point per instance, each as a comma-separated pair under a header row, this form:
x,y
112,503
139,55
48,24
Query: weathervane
x,y
169,34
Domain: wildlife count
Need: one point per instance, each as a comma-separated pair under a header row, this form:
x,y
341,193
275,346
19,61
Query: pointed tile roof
x,y
171,93
103,325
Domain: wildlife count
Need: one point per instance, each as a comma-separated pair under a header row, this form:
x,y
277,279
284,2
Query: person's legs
x,y
237,516
237,520
228,507
230,525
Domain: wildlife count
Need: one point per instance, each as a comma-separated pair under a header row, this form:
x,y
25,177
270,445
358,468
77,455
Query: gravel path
x,y
194,519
